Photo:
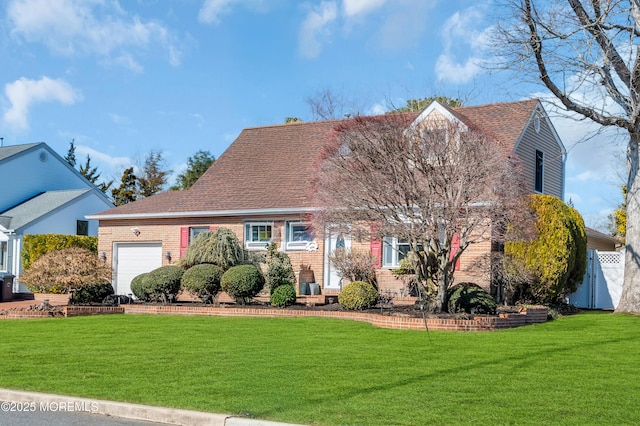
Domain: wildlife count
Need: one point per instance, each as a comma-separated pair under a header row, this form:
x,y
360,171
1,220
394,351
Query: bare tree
x,y
586,53
328,105
426,183
153,177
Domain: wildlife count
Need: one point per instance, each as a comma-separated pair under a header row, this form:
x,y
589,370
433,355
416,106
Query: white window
x,y
298,235
393,251
257,235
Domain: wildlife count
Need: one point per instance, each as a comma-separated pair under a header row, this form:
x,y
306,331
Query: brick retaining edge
x,y
528,315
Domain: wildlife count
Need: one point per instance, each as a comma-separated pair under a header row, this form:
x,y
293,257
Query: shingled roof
x,y
268,169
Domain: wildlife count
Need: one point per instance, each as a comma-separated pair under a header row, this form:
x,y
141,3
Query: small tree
x,y
63,271
556,258
427,184
71,154
220,247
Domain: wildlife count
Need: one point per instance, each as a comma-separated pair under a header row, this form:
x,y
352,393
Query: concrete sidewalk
x,y
43,402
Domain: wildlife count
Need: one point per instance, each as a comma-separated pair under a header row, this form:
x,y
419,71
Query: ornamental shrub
x,y
283,295
279,269
203,281
91,294
220,247
138,288
242,282
358,295
470,298
355,265
162,284
66,270
36,245
556,257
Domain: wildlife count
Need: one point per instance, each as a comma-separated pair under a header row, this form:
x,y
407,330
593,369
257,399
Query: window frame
x,y
391,246
293,244
82,227
194,231
249,243
4,255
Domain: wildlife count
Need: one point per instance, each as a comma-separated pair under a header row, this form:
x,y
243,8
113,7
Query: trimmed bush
x,y
66,270
283,295
279,269
203,281
36,245
91,294
358,295
138,289
220,247
160,285
471,299
242,283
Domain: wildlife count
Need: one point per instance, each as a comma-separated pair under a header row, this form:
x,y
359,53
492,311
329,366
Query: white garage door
x,y
133,259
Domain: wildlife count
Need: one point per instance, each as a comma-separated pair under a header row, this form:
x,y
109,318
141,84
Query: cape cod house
x,y
41,194
260,188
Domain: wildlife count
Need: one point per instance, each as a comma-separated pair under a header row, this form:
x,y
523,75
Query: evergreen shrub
x,y
471,299
358,295
283,295
242,282
203,281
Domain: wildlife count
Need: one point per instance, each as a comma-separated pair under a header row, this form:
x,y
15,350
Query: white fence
x,y
602,284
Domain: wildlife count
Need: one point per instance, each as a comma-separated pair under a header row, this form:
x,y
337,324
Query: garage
x,y
133,259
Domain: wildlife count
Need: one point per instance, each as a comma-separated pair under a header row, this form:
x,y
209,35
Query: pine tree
x,y
126,192
196,166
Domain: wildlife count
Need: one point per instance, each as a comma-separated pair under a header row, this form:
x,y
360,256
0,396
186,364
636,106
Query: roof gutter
x,y
213,213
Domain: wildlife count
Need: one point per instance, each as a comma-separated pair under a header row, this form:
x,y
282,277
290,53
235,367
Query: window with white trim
x,y
257,235
298,235
393,251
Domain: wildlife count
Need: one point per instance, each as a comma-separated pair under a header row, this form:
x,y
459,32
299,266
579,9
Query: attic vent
x,y
536,123
43,156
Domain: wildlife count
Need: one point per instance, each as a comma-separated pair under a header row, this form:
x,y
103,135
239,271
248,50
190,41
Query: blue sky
x,y
176,76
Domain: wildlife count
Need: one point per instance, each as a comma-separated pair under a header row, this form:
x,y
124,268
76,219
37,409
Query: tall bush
x,y
279,269
220,247
66,270
555,258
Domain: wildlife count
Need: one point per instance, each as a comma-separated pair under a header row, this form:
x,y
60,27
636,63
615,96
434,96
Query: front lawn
x,y
582,369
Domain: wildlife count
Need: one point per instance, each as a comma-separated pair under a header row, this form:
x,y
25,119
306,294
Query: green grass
x,y
583,369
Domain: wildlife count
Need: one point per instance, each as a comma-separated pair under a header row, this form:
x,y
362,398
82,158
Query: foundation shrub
x,y
279,269
203,281
220,247
160,285
358,295
470,298
242,282
138,289
91,294
283,295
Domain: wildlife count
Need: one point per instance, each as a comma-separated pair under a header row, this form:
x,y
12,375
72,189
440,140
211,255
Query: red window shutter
x,y
184,240
376,246
455,248
213,228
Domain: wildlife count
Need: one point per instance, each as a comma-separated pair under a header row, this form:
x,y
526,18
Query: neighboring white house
x,y
41,194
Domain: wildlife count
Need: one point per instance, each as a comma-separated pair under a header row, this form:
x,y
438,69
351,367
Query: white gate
x,y
602,284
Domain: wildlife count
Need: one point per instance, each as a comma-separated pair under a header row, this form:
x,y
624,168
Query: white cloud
x,y
212,10
462,39
71,27
377,109
353,8
24,93
316,27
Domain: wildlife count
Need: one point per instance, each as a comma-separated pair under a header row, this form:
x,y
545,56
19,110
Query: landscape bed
x,y
579,369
